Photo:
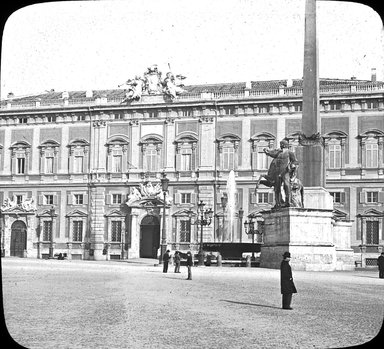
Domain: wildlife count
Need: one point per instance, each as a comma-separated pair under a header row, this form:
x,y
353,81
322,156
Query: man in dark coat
x,y
166,258
380,263
286,281
189,265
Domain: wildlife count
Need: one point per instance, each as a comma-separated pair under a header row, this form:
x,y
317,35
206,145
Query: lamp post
x,y
241,215
205,220
224,201
164,188
52,214
250,229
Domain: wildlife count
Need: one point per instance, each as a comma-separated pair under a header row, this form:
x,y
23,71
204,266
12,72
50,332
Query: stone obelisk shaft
x,y
312,167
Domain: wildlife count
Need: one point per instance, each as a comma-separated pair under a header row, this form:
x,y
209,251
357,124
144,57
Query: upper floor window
x,y
262,198
116,198
260,161
48,157
186,146
151,146
228,145
51,118
371,146
48,199
23,120
372,104
117,161
335,149
185,198
338,197
78,156
20,153
372,196
335,105
78,199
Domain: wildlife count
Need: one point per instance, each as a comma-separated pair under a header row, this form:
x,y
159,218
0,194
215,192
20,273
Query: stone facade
x,y
82,155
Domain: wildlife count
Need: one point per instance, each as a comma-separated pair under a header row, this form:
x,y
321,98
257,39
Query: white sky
x,y
83,45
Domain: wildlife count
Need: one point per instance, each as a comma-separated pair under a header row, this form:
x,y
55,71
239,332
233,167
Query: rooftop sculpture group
x,y
282,176
152,83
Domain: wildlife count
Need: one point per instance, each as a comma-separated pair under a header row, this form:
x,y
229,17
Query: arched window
x,y
260,161
228,145
371,147
117,154
20,158
151,153
78,156
335,149
48,157
186,150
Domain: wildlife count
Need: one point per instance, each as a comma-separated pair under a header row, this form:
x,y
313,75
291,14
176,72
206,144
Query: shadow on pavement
x,y
253,304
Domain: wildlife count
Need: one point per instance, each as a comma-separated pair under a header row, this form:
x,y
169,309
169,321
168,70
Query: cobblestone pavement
x,y
85,304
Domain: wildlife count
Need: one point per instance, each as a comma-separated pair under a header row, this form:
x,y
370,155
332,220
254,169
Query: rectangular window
x,y
372,105
78,164
335,106
297,107
185,198
338,197
19,199
23,120
187,112
48,199
79,199
372,197
372,232
77,234
51,118
49,164
262,198
151,160
228,158
47,230
116,198
117,161
116,231
186,160
371,154
20,165
334,156
262,159
185,231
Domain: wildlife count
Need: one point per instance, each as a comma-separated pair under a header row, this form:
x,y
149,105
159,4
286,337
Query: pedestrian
x,y
189,265
380,263
176,259
286,281
166,258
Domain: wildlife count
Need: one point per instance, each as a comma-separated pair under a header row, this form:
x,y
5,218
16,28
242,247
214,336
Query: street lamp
x,y
52,214
250,230
164,188
241,215
205,220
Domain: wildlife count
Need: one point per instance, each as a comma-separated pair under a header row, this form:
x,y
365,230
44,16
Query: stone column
x,y
134,250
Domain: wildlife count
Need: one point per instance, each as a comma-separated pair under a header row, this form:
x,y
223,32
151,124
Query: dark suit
x,y
166,258
380,263
189,266
286,284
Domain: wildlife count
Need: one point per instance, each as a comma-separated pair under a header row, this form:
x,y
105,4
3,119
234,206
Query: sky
x,y
81,45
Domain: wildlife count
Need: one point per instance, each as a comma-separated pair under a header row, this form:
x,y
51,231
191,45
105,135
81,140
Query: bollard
x,y
248,262
219,260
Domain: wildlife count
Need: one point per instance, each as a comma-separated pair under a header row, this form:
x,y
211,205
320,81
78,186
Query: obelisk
x,y
311,150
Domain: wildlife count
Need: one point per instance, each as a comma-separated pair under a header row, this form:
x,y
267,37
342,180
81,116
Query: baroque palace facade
x,y
71,163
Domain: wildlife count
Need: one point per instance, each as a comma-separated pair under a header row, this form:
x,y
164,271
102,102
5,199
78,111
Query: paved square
x,y
84,304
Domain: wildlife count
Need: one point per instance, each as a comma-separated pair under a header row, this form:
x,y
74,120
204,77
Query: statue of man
x,y
278,173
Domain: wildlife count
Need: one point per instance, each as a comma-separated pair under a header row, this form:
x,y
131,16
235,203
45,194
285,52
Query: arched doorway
x,y
149,237
18,239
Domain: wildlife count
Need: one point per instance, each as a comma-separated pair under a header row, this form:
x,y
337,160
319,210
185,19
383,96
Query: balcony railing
x,y
236,94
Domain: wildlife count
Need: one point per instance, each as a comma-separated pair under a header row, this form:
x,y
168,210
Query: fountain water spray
x,y
231,204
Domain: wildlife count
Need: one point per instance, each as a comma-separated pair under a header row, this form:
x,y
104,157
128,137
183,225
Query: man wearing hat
x,y
286,281
380,263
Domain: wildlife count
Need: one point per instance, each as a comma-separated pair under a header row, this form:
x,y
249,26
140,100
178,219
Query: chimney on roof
x,y
248,85
89,93
65,94
353,77
10,95
289,82
373,74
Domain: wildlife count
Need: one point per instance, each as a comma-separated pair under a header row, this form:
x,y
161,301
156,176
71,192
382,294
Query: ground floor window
x,y
116,231
372,233
77,231
47,231
185,231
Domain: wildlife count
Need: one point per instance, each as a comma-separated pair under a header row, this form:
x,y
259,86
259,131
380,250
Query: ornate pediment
x,y
76,213
338,215
152,83
115,213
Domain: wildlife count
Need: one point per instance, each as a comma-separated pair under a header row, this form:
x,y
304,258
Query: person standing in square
x,y
380,263
176,259
166,258
189,265
286,281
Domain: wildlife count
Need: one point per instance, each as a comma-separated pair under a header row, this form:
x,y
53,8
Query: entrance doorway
x,y
149,237
18,239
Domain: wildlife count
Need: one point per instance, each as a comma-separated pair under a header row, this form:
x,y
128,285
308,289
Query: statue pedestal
x,y
304,232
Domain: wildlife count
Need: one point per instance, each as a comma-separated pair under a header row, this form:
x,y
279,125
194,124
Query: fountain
x,y
231,205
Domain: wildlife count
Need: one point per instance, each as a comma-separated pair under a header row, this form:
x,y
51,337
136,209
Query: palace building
x,y
80,171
